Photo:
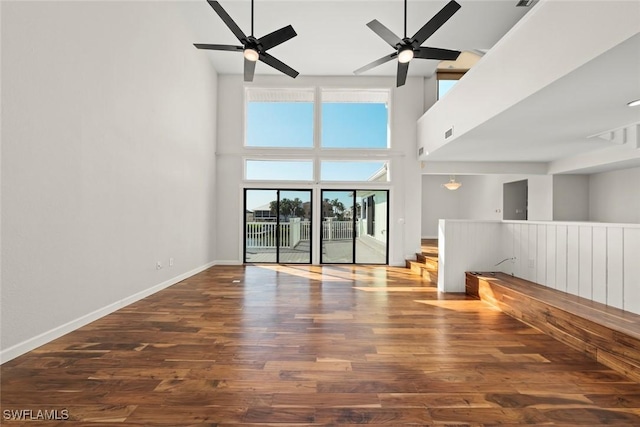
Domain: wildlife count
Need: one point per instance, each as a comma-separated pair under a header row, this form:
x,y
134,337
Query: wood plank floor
x,y
310,345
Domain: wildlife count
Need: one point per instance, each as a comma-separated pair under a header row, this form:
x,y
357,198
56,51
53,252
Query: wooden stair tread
x,y
426,262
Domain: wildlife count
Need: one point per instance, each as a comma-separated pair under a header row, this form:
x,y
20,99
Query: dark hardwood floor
x,y
310,345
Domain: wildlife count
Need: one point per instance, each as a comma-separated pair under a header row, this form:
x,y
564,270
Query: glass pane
x,y
279,117
279,170
295,226
354,171
371,227
355,118
337,227
444,86
260,226
354,125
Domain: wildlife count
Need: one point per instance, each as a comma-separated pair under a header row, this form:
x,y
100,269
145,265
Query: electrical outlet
x,y
158,265
170,262
532,263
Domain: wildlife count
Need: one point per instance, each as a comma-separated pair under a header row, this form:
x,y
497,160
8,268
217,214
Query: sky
x,y
290,124
444,86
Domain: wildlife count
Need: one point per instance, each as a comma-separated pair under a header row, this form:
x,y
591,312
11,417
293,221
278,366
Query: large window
x,y
279,118
312,125
355,119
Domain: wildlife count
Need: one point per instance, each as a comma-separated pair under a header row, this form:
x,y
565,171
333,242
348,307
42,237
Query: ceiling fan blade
x,y
385,33
278,65
249,70
227,20
436,22
436,53
403,68
277,37
219,47
376,63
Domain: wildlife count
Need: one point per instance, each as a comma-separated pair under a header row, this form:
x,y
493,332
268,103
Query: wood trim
x,y
450,75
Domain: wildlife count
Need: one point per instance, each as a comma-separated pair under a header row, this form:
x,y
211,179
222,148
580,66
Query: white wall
x,y
479,198
438,202
406,107
570,197
108,140
615,196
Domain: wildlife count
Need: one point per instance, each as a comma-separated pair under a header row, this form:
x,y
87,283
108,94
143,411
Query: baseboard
x,y
228,262
39,340
429,237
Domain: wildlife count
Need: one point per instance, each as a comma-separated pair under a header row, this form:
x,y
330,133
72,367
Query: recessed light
x,y
634,103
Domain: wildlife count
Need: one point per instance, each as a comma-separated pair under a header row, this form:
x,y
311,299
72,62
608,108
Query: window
x,y
279,170
354,171
446,80
449,72
298,131
279,118
355,119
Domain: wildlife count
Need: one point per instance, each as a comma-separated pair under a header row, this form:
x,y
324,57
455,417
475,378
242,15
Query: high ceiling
x,y
333,39
558,122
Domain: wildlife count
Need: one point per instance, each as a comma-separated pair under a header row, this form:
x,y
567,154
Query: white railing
x,y
263,234
337,230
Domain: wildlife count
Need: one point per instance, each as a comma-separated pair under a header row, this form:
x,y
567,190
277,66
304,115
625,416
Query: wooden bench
x,y
609,335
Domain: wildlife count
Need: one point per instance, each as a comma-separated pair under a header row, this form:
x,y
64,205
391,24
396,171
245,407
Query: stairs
x,y
426,263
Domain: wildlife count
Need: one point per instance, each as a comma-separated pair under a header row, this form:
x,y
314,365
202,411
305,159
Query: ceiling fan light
x,y
251,54
405,55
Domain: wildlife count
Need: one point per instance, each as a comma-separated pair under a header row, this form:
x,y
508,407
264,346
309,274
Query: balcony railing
x,y
262,235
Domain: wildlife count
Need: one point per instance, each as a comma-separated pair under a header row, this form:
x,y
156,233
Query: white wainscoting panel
x,y
551,251
598,261
561,259
573,259
599,266
615,266
541,255
466,246
585,267
631,295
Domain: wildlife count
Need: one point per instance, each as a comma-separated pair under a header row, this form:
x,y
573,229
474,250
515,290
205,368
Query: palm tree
x,y
338,209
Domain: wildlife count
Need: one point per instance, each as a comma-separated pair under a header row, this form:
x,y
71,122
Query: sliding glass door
x,y
277,226
354,227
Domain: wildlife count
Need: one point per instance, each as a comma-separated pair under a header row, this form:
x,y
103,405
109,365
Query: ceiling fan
x,y
253,49
409,48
